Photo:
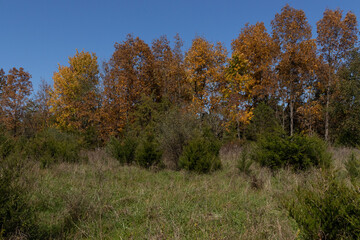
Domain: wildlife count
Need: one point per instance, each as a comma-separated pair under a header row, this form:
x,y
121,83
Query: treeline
x,y
311,84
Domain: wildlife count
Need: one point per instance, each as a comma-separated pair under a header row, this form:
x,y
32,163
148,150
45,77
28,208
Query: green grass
x,y
101,199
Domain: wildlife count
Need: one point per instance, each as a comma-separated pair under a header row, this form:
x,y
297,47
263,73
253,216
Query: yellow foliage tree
x,y
74,99
237,93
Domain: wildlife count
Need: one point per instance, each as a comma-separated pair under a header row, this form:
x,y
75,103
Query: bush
x,y
51,146
16,215
201,155
300,152
124,150
7,145
353,167
174,130
148,153
327,210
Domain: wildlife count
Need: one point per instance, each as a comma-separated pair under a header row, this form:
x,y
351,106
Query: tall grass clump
x,y
299,152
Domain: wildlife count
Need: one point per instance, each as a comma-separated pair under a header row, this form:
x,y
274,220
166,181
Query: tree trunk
x,y
291,117
327,113
327,106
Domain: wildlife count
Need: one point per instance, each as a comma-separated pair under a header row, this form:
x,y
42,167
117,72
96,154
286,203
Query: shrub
x,y
50,146
327,210
201,155
148,153
123,151
16,215
300,152
7,145
174,130
353,167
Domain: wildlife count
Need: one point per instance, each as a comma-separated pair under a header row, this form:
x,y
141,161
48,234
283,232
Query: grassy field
x,y
100,199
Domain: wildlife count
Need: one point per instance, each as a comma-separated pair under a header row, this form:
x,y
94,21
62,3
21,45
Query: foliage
x,y
327,210
335,37
74,100
17,216
15,90
128,76
236,92
122,150
205,65
201,155
148,152
258,48
299,152
51,146
7,145
174,130
297,57
346,106
263,122
353,167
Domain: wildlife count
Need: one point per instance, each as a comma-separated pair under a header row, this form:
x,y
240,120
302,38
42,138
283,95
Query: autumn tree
x,y
236,93
259,50
168,69
2,84
336,37
128,76
15,88
345,111
178,72
205,66
297,57
74,99
37,113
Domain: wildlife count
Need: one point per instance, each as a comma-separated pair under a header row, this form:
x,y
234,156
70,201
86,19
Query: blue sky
x,y
40,34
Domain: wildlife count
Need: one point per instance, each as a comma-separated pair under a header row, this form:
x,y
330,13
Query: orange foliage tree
x,y
297,57
336,37
259,49
15,88
205,68
128,76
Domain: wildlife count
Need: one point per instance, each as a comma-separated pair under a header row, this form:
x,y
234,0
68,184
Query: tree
x,y
37,112
128,76
236,92
336,37
74,99
260,51
15,90
205,66
297,58
346,107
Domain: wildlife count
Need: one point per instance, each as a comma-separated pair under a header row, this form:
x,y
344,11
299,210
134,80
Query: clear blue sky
x,y
39,34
